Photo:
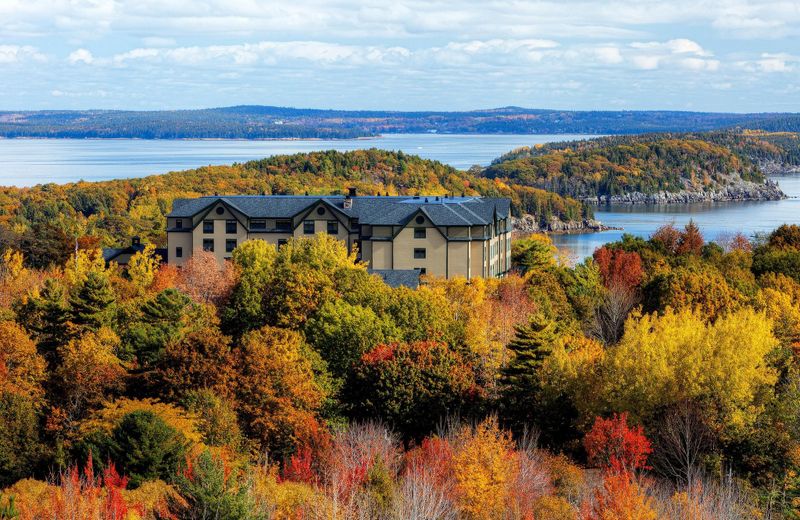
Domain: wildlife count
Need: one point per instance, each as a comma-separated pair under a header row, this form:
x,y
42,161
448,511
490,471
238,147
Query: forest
x,y
264,122
648,163
43,222
657,380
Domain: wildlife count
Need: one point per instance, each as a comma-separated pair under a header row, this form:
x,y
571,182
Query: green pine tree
x,y
519,380
162,320
93,305
45,316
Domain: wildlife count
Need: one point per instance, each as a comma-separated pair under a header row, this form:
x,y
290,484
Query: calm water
x,y
25,162
714,219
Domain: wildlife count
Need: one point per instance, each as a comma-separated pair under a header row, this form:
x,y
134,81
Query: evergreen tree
x,y
519,381
93,305
45,317
147,448
162,320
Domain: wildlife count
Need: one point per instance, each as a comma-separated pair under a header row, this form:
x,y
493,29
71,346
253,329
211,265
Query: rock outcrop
x,y
742,191
530,224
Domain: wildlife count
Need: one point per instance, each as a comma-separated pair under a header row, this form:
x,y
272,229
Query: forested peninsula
x,y
655,168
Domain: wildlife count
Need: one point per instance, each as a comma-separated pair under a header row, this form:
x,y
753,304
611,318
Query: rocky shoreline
x,y
530,224
746,191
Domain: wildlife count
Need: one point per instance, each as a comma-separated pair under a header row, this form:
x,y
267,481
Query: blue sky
x,y
734,55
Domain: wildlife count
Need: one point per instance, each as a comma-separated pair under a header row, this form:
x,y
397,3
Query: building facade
x,y
441,236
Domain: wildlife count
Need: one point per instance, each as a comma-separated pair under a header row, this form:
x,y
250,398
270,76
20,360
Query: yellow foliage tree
x,y
81,263
143,266
484,466
662,360
89,368
22,369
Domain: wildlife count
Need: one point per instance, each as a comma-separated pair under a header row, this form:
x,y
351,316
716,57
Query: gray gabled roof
x,y
370,210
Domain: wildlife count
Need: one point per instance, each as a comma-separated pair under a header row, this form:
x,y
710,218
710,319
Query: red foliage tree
x,y
299,467
667,236
691,240
618,268
616,447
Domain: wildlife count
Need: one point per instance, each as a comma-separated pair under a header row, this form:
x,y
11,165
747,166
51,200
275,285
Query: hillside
x,y
260,122
43,221
651,168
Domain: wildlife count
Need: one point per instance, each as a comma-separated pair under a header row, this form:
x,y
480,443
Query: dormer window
x,y
283,225
258,224
179,224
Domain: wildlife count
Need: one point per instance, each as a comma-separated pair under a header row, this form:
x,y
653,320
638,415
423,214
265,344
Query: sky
x,y
704,55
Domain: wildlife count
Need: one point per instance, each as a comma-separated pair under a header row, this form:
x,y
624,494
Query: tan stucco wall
x,y
321,223
219,235
381,255
458,259
183,240
435,245
477,258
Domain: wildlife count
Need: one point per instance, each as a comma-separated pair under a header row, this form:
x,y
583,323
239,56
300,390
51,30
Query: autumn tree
x,y
533,253
342,332
412,386
89,372
22,372
691,240
616,447
484,465
218,422
142,267
703,289
667,238
786,236
203,359
679,357
205,280
22,369
619,268
276,391
253,260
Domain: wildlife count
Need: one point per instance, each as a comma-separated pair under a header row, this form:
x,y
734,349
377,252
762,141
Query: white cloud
x,y
608,54
677,46
646,62
20,53
80,56
699,64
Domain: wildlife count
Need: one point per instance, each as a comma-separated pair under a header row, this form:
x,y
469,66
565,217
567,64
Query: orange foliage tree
x,y
275,387
484,465
618,268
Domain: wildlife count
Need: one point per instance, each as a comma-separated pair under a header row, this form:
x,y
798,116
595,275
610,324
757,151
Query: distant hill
x,y
261,122
652,168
